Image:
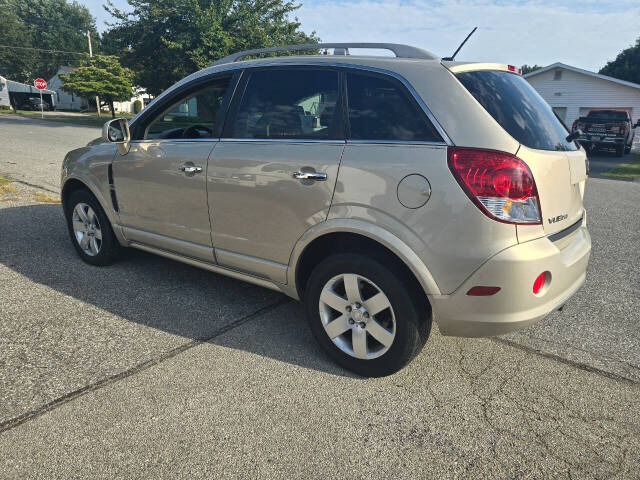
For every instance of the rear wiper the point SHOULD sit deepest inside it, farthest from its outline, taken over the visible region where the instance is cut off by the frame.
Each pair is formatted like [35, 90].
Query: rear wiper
[574, 135]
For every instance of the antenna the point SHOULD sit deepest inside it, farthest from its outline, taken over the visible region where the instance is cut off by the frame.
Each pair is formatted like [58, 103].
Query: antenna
[450, 59]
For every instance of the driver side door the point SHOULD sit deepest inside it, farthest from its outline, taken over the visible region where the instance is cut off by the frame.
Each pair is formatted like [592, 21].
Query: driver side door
[160, 183]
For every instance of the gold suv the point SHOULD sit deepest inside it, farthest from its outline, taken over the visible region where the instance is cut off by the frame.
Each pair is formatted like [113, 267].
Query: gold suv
[384, 192]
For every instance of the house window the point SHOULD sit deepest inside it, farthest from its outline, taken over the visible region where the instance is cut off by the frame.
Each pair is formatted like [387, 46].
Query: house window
[557, 75]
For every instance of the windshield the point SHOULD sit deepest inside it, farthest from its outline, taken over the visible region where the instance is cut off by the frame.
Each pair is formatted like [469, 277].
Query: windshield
[518, 108]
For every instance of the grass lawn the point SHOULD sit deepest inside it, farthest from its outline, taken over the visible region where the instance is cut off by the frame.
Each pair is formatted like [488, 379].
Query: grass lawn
[630, 169]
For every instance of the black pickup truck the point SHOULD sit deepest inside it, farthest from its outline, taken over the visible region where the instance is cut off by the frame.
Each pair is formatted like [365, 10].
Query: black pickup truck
[606, 129]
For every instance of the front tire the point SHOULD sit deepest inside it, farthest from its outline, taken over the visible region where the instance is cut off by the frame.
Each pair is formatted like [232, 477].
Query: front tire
[366, 314]
[90, 230]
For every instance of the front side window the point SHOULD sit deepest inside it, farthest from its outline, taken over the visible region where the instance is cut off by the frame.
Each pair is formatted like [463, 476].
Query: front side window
[381, 109]
[288, 103]
[192, 117]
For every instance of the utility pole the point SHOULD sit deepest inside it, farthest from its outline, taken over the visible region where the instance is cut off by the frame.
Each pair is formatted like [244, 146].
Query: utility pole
[91, 55]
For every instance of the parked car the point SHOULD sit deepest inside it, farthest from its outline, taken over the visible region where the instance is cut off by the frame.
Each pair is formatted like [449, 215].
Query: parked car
[606, 129]
[33, 103]
[385, 193]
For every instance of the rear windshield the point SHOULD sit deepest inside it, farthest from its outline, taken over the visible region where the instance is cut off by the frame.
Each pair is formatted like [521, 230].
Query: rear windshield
[607, 115]
[518, 108]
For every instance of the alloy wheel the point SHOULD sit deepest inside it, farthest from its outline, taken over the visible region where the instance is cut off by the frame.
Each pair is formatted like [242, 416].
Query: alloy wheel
[86, 229]
[357, 316]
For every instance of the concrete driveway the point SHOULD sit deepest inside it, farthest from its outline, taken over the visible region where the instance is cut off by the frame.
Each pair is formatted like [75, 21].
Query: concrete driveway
[151, 368]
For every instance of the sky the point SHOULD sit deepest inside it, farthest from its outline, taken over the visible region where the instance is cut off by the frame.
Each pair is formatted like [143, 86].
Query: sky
[584, 33]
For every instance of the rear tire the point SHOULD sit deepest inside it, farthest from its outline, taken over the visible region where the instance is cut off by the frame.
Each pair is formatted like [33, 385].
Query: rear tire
[372, 344]
[627, 149]
[90, 230]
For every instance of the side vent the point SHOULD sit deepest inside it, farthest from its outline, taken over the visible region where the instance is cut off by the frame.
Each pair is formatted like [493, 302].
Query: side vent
[112, 188]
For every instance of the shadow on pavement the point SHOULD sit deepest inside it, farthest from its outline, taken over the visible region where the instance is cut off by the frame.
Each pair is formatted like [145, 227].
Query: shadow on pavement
[157, 292]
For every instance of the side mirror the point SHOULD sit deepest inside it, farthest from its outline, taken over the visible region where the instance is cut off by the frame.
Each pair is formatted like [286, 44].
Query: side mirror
[637, 123]
[117, 131]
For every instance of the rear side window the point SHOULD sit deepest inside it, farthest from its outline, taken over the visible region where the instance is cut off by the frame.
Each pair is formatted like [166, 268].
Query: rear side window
[381, 109]
[518, 108]
[288, 103]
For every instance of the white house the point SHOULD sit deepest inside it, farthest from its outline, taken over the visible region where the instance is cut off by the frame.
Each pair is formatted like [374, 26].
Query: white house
[64, 100]
[128, 106]
[69, 101]
[572, 91]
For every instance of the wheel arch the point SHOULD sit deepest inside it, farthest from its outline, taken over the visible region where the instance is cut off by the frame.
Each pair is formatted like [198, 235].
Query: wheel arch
[73, 184]
[355, 235]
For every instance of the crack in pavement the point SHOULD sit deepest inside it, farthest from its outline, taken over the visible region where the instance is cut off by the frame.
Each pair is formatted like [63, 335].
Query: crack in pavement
[566, 361]
[541, 419]
[20, 419]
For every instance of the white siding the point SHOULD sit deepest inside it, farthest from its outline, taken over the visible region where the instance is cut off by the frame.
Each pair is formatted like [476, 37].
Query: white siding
[576, 91]
[62, 99]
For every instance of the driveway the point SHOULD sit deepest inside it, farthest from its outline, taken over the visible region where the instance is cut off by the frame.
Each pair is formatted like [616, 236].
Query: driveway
[602, 161]
[151, 368]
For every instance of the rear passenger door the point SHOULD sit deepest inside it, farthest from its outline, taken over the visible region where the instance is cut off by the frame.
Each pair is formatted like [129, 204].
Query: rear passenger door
[272, 175]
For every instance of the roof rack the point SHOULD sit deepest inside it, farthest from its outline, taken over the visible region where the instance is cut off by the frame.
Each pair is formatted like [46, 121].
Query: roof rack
[400, 51]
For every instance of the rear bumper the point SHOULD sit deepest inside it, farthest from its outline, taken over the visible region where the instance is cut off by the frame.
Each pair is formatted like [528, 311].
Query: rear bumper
[514, 270]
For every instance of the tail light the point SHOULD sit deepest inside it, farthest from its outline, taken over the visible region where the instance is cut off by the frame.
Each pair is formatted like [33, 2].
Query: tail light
[500, 184]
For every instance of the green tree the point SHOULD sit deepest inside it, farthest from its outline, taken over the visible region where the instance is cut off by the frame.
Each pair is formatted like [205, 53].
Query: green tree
[103, 76]
[162, 41]
[45, 25]
[626, 66]
[529, 68]
[15, 64]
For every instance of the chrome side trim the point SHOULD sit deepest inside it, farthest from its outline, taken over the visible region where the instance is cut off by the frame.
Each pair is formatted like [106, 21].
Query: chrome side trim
[176, 140]
[208, 266]
[396, 142]
[285, 140]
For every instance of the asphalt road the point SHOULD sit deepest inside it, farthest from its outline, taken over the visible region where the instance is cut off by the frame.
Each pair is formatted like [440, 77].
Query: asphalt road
[157, 369]
[32, 150]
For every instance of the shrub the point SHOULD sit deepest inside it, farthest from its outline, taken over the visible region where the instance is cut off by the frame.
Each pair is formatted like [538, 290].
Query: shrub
[137, 106]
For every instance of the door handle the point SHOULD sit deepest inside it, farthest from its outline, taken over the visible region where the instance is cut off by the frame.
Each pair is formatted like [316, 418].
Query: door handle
[318, 176]
[191, 168]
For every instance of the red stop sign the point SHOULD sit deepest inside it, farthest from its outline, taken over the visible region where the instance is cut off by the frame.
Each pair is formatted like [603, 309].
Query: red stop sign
[40, 83]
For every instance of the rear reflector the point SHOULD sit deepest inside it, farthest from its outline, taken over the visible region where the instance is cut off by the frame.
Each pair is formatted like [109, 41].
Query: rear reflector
[499, 183]
[539, 282]
[481, 291]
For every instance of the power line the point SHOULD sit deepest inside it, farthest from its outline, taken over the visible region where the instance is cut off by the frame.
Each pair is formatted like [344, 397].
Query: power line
[43, 50]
